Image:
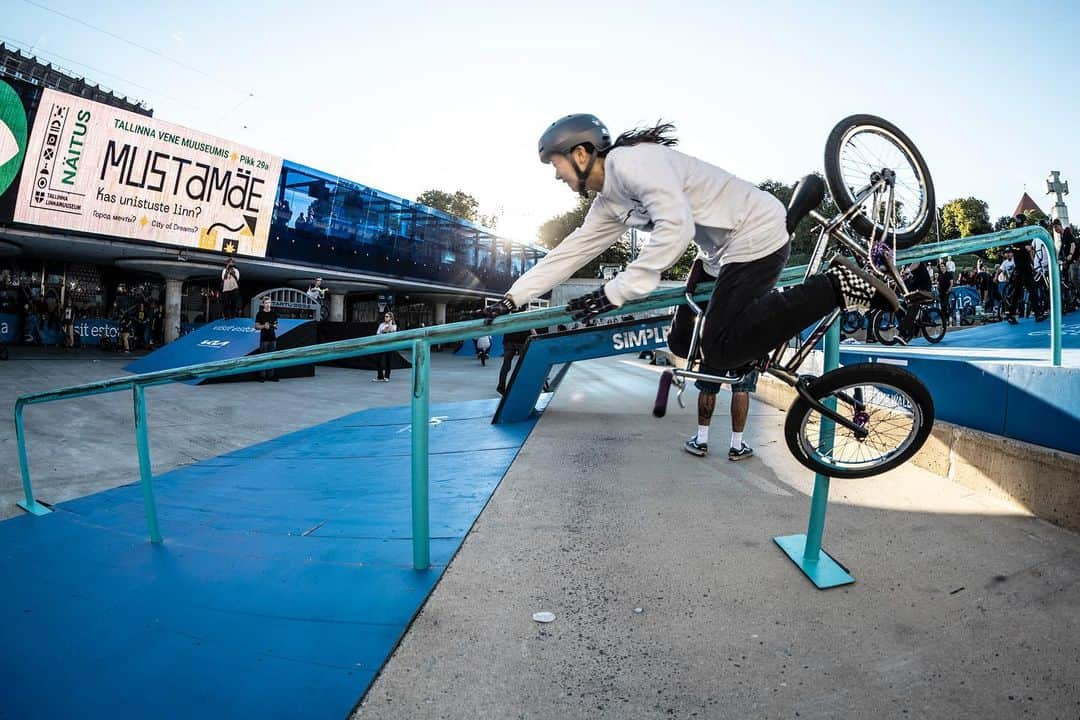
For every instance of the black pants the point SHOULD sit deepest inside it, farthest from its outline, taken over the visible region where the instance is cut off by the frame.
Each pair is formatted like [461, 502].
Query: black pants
[230, 303]
[509, 352]
[1023, 278]
[266, 346]
[747, 318]
[382, 362]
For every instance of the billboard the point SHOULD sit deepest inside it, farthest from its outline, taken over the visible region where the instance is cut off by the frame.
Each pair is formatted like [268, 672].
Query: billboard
[95, 168]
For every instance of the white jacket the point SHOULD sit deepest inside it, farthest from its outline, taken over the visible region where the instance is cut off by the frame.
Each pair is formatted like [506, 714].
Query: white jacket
[677, 198]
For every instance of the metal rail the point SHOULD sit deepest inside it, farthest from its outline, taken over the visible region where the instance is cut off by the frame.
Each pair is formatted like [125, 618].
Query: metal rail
[419, 341]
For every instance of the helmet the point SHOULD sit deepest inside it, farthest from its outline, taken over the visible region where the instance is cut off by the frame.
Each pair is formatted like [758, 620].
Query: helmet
[567, 133]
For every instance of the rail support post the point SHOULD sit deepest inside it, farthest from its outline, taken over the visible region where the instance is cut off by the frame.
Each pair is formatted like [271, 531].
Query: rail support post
[805, 550]
[420, 418]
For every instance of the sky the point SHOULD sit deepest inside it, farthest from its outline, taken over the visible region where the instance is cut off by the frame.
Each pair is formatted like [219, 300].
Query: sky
[409, 96]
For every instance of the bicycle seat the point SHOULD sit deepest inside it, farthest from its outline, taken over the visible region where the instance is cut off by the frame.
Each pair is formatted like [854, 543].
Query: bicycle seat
[808, 194]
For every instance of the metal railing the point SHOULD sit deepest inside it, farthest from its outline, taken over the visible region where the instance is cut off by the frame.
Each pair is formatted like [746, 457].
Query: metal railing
[419, 341]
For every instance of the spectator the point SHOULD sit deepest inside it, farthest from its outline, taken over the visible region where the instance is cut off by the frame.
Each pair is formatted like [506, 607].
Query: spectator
[740, 408]
[67, 316]
[317, 294]
[230, 290]
[142, 324]
[1067, 254]
[944, 285]
[266, 322]
[157, 326]
[483, 348]
[125, 332]
[1041, 269]
[1001, 281]
[1022, 277]
[383, 359]
[513, 345]
[919, 272]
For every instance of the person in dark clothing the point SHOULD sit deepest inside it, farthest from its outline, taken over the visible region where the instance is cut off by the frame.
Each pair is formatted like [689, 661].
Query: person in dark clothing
[157, 326]
[266, 322]
[1067, 253]
[513, 346]
[944, 285]
[1023, 278]
[920, 279]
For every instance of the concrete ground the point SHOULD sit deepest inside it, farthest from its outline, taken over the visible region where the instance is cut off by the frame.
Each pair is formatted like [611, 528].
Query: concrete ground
[964, 606]
[672, 601]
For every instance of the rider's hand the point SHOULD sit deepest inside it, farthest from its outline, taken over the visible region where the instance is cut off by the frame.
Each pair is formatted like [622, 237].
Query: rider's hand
[494, 310]
[589, 305]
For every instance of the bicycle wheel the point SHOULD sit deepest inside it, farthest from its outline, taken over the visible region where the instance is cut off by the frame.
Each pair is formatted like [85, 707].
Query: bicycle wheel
[851, 323]
[891, 403]
[886, 326]
[933, 325]
[861, 145]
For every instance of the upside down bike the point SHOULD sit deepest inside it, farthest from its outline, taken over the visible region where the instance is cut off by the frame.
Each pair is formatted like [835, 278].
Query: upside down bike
[880, 415]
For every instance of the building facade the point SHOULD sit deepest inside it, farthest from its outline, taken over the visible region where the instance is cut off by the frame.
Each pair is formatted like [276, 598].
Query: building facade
[104, 207]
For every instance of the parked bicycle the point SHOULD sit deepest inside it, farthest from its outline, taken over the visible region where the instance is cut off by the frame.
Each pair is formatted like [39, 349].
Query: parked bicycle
[864, 419]
[920, 315]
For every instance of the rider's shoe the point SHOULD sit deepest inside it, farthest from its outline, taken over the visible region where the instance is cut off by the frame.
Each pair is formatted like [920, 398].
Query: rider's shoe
[693, 447]
[1011, 319]
[741, 454]
[858, 289]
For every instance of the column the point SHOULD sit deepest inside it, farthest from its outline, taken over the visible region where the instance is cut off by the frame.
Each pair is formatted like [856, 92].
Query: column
[173, 291]
[337, 307]
[440, 313]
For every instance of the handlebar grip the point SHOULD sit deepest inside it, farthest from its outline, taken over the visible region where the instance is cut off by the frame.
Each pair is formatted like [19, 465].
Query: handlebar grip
[660, 406]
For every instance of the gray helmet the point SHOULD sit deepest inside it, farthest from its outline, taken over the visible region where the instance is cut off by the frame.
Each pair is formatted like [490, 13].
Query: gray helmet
[567, 133]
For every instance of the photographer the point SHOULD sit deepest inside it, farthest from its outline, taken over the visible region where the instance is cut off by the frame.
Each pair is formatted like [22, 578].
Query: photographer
[266, 321]
[230, 290]
[317, 293]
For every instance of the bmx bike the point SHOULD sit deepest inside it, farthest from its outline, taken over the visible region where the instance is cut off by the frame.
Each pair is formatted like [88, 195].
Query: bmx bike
[875, 416]
[919, 315]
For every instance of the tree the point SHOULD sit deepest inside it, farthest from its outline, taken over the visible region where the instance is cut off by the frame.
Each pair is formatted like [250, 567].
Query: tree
[805, 236]
[459, 204]
[964, 217]
[555, 230]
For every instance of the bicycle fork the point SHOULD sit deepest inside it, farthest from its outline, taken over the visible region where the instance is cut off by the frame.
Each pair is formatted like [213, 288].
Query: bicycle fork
[858, 430]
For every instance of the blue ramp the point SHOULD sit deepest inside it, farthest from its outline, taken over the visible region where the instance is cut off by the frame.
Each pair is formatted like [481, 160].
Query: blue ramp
[284, 582]
[221, 340]
[468, 349]
[542, 352]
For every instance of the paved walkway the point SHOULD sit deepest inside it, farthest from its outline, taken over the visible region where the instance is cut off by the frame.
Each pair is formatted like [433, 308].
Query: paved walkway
[963, 607]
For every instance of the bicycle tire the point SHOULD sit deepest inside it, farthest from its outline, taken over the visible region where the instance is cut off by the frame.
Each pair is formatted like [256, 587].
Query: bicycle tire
[843, 196]
[881, 321]
[919, 406]
[933, 325]
[852, 322]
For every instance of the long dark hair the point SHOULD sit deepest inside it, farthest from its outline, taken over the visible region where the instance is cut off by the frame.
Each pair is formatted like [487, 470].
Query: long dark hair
[659, 134]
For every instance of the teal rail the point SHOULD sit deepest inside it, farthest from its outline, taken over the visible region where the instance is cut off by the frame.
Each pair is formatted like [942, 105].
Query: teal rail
[933, 251]
[419, 341]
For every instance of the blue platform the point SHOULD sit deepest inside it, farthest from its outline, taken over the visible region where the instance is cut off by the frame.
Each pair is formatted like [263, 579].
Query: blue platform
[997, 378]
[284, 582]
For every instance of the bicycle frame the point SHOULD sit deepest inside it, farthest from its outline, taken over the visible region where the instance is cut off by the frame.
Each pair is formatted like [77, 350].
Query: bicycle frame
[787, 372]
